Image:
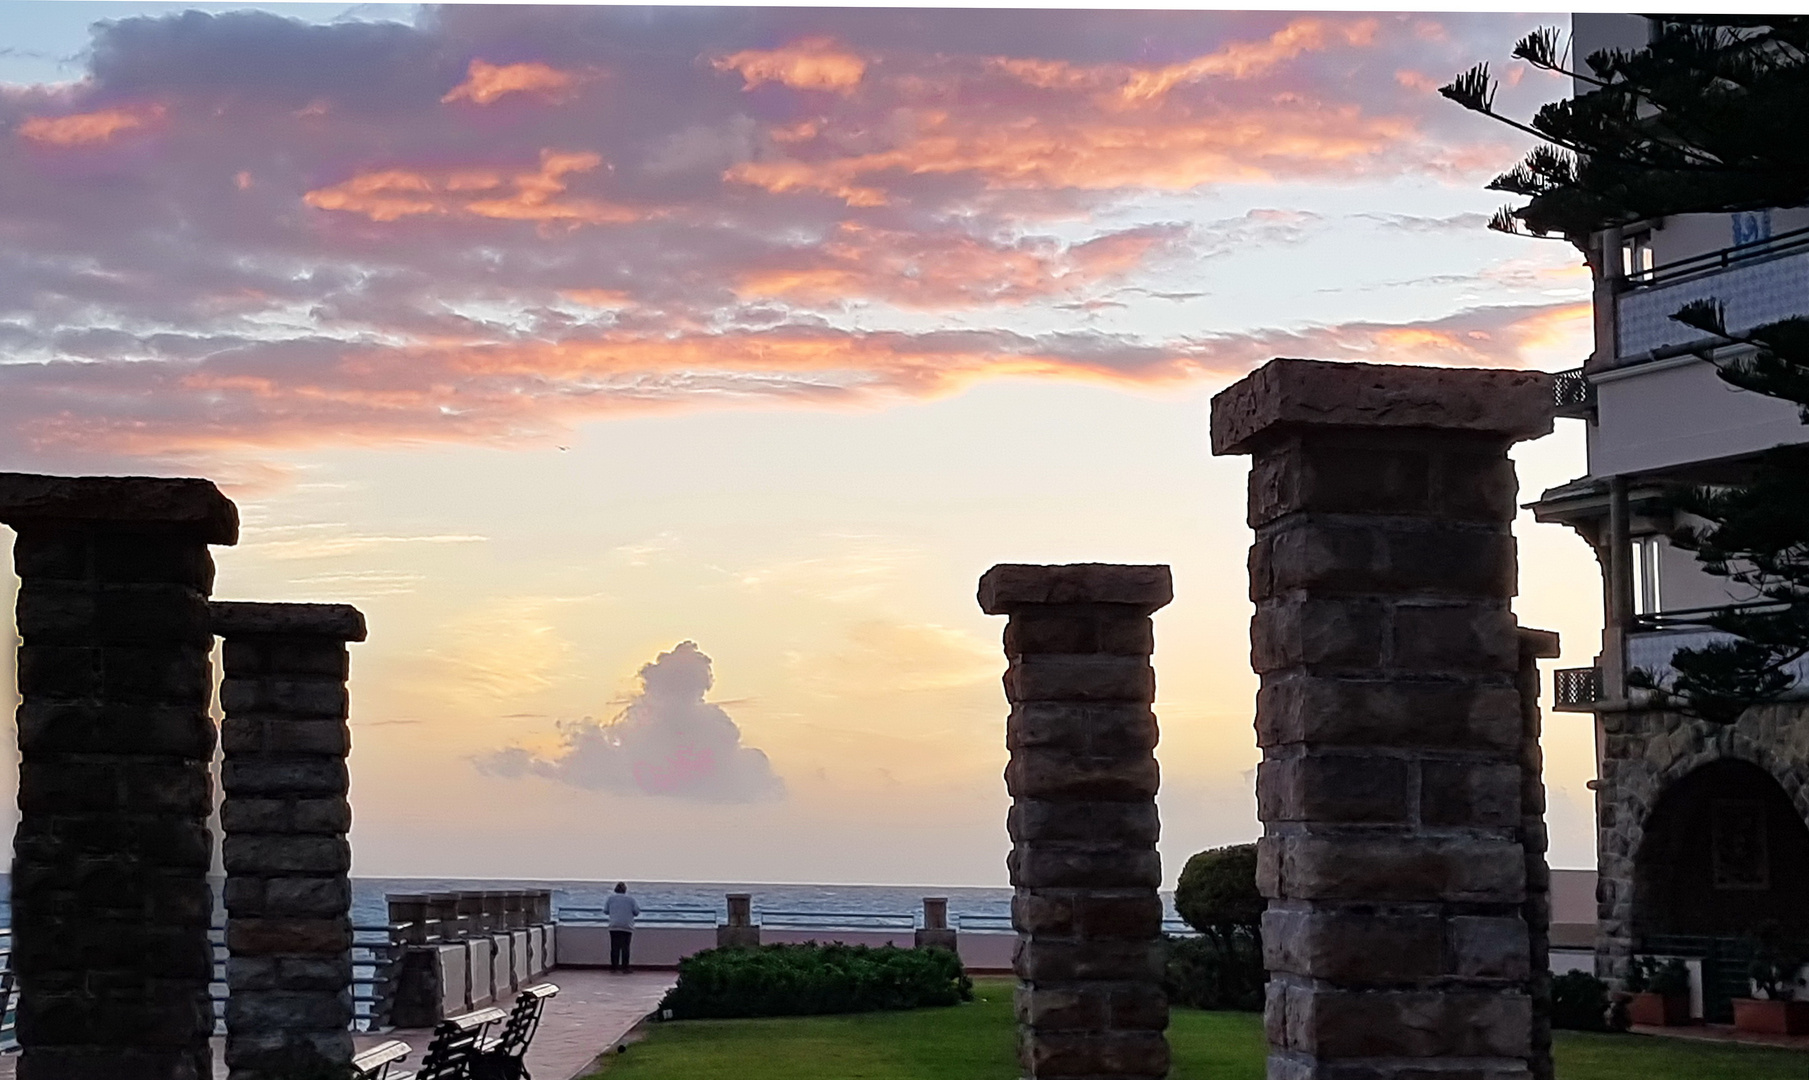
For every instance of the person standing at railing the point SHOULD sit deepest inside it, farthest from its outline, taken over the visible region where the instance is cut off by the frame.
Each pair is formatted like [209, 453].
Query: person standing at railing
[621, 909]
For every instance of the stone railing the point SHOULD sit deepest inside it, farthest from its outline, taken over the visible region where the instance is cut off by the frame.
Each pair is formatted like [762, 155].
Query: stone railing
[465, 950]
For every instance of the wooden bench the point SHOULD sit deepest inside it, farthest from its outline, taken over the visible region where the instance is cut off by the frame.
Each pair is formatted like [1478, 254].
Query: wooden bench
[455, 1043]
[374, 1063]
[524, 1020]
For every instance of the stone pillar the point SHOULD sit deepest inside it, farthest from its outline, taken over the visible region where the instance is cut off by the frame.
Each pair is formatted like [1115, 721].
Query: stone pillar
[110, 900]
[936, 933]
[1389, 716]
[285, 815]
[443, 922]
[1083, 823]
[1535, 645]
[470, 917]
[739, 931]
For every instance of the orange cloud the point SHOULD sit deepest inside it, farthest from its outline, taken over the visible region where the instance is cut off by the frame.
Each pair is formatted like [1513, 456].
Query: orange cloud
[807, 64]
[934, 270]
[392, 194]
[1097, 153]
[80, 129]
[486, 82]
[1124, 85]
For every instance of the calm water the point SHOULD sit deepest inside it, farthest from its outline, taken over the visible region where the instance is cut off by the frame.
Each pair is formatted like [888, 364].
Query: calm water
[369, 908]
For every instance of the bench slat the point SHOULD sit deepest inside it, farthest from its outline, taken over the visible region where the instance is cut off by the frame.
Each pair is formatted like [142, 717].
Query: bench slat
[381, 1054]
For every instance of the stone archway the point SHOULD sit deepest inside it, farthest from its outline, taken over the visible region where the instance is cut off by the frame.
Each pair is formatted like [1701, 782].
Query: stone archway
[1724, 852]
[1662, 775]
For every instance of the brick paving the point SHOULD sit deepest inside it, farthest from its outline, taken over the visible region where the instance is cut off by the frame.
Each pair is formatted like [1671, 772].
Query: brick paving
[593, 1011]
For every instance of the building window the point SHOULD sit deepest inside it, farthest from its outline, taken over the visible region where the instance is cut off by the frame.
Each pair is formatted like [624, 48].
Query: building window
[1636, 255]
[1738, 852]
[1647, 599]
[1751, 227]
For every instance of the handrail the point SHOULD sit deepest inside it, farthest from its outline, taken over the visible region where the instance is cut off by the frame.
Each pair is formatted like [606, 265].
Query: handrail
[1782, 244]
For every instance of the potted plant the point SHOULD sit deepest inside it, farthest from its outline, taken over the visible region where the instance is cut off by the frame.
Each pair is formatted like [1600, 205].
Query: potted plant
[1661, 992]
[1772, 1010]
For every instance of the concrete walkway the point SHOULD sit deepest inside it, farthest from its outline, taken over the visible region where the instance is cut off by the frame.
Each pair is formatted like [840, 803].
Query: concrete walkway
[1724, 1033]
[592, 1012]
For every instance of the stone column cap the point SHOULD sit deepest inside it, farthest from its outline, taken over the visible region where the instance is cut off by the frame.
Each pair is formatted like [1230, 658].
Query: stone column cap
[1539, 644]
[233, 618]
[184, 502]
[1010, 586]
[1286, 393]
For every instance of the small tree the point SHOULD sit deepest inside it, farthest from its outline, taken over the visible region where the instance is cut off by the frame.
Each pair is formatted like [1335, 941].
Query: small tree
[1217, 894]
[1711, 116]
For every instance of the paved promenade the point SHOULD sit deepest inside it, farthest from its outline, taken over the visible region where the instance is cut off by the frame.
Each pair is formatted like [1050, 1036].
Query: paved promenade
[593, 1010]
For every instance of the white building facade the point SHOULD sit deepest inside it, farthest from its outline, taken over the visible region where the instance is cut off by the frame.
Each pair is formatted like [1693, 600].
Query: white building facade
[1701, 834]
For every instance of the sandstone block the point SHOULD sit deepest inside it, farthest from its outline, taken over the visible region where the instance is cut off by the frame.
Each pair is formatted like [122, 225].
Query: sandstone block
[1288, 394]
[1088, 677]
[190, 508]
[1094, 1054]
[1315, 633]
[1408, 1024]
[1355, 554]
[1083, 628]
[1059, 961]
[1408, 714]
[1050, 775]
[282, 855]
[340, 622]
[275, 777]
[1104, 729]
[1115, 823]
[1009, 587]
[1386, 867]
[272, 937]
[1359, 946]
[1355, 788]
[1482, 795]
[1049, 866]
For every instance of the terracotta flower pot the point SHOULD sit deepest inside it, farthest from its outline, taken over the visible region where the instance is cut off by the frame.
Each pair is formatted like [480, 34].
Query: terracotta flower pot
[1762, 1017]
[1659, 1010]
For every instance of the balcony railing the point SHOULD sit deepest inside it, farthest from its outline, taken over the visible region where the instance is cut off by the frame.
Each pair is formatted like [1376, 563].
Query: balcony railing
[1576, 689]
[1573, 394]
[1758, 283]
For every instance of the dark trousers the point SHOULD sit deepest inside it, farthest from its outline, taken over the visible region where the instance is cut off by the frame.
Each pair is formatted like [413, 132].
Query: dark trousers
[618, 949]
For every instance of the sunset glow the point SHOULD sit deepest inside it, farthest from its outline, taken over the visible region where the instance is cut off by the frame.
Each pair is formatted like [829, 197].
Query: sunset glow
[659, 381]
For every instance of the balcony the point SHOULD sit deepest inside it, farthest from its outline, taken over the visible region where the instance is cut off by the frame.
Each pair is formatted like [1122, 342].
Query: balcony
[1576, 689]
[1656, 638]
[1758, 283]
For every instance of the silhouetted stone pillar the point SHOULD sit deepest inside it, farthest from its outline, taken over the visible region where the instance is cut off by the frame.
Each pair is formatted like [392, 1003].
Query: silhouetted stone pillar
[739, 931]
[1083, 823]
[285, 813]
[1536, 645]
[110, 901]
[1389, 715]
[936, 932]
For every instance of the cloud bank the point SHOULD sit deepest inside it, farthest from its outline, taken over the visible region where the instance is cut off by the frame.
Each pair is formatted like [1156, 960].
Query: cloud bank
[244, 232]
[669, 741]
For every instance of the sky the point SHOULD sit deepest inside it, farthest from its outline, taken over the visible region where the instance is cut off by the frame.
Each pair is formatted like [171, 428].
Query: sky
[660, 381]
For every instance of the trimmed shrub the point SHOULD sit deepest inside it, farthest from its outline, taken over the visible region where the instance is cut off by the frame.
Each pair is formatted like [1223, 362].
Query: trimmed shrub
[812, 979]
[1202, 973]
[1579, 1002]
[1217, 893]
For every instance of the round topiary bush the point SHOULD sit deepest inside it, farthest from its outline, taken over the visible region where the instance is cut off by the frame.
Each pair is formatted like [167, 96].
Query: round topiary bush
[1217, 893]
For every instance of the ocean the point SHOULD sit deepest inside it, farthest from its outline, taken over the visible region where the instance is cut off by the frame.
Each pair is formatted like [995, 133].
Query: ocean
[987, 908]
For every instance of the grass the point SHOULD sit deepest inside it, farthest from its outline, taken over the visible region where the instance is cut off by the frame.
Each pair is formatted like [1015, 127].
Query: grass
[974, 1042]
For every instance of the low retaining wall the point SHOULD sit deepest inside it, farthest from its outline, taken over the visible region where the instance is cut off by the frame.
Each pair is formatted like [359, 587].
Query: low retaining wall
[582, 945]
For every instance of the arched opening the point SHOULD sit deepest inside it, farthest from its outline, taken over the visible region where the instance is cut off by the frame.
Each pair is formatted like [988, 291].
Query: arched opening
[1725, 856]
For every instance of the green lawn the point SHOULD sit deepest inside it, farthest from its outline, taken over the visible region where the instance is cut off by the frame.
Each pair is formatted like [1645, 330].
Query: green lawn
[974, 1042]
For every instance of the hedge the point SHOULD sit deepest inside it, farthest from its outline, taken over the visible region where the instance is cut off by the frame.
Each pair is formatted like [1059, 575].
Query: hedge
[812, 979]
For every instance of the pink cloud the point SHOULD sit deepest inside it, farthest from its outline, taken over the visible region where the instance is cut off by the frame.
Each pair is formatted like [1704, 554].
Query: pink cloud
[81, 129]
[486, 82]
[812, 63]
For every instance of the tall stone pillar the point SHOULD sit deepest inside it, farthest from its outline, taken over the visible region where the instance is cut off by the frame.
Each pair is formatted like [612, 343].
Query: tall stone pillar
[1083, 824]
[285, 815]
[110, 901]
[1536, 645]
[1389, 716]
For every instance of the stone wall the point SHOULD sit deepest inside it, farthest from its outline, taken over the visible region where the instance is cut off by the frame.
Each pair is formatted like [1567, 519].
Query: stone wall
[1389, 715]
[1645, 753]
[1083, 821]
[110, 901]
[285, 815]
